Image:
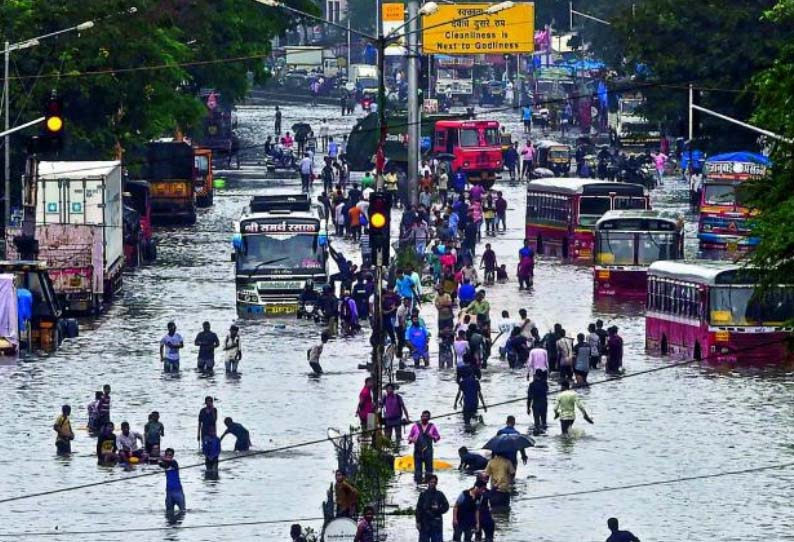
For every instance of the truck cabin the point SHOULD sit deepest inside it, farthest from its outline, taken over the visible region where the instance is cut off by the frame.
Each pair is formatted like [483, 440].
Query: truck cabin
[33, 283]
[451, 136]
[136, 196]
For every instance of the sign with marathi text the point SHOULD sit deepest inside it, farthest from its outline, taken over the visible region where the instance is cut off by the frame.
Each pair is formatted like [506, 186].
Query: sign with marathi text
[466, 29]
[278, 226]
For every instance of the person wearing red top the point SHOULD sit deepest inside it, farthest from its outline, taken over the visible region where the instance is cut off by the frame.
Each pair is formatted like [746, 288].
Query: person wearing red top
[366, 405]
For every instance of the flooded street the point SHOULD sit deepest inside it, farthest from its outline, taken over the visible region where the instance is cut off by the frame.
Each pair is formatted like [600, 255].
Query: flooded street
[672, 423]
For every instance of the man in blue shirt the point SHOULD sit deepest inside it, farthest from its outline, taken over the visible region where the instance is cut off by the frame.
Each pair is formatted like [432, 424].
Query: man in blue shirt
[404, 285]
[510, 429]
[526, 251]
[618, 535]
[174, 496]
[466, 293]
[417, 338]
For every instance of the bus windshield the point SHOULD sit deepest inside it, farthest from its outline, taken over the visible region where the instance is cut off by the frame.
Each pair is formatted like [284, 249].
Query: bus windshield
[722, 194]
[619, 248]
[655, 246]
[593, 208]
[743, 306]
[278, 251]
[492, 137]
[469, 138]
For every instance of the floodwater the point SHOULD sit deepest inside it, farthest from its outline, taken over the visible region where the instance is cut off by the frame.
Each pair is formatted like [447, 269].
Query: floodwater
[673, 423]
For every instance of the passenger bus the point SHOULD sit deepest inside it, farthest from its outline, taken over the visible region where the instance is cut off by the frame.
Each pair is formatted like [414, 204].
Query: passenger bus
[712, 310]
[280, 243]
[724, 220]
[627, 242]
[562, 212]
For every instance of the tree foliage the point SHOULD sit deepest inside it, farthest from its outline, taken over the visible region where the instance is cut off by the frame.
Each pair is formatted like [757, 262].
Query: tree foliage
[133, 77]
[774, 195]
[715, 44]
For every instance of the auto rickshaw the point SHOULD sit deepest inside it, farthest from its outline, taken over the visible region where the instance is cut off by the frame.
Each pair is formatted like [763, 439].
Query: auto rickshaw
[554, 156]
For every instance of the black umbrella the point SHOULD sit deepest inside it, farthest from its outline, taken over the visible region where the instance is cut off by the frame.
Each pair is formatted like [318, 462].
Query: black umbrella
[509, 444]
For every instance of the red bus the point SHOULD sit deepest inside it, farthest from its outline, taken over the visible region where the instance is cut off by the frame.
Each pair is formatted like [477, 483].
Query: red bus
[724, 224]
[711, 310]
[627, 242]
[561, 213]
[471, 146]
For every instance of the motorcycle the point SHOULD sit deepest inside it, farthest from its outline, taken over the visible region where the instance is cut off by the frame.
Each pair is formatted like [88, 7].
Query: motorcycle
[309, 310]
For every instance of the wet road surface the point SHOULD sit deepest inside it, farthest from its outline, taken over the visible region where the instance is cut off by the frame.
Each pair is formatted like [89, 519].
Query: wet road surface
[673, 423]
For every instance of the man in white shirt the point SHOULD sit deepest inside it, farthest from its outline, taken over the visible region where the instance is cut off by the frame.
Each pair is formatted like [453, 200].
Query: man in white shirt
[306, 172]
[323, 133]
[127, 443]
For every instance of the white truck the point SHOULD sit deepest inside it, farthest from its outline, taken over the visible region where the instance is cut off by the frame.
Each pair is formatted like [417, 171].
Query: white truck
[311, 58]
[79, 229]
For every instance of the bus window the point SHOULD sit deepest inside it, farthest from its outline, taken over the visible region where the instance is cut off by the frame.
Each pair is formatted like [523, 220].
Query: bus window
[492, 137]
[616, 248]
[743, 306]
[591, 209]
[441, 139]
[719, 194]
[469, 138]
[629, 203]
[657, 246]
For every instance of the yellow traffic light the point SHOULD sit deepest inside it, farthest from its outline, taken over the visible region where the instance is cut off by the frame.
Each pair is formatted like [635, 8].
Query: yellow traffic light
[54, 124]
[377, 220]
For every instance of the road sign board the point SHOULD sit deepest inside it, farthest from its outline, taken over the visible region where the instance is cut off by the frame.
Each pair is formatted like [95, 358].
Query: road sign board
[465, 29]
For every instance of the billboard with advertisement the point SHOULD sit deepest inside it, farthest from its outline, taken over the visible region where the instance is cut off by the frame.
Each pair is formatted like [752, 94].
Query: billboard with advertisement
[466, 29]
[393, 17]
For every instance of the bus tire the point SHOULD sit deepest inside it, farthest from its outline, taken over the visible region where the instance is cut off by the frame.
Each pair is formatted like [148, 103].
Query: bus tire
[488, 183]
[539, 244]
[697, 353]
[663, 346]
[565, 248]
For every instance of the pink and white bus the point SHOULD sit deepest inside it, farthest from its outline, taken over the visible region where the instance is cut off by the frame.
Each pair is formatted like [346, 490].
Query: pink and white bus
[627, 242]
[562, 212]
[712, 310]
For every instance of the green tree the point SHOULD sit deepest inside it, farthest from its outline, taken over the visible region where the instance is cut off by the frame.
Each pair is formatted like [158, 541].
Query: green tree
[774, 195]
[715, 44]
[134, 77]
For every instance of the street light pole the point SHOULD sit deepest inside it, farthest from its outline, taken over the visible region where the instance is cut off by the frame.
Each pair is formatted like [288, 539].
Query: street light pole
[414, 116]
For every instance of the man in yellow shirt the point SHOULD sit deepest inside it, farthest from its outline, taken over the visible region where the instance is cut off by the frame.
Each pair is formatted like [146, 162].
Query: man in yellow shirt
[63, 429]
[502, 473]
[565, 409]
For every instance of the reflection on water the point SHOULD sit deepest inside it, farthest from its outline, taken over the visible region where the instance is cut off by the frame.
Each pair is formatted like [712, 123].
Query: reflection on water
[671, 423]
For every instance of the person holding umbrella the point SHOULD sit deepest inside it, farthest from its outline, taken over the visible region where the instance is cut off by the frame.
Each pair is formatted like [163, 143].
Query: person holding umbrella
[565, 409]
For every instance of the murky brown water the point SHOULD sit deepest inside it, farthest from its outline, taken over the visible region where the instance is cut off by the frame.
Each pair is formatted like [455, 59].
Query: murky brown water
[672, 423]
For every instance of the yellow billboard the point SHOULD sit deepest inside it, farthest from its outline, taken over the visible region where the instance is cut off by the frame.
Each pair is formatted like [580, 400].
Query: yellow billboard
[466, 29]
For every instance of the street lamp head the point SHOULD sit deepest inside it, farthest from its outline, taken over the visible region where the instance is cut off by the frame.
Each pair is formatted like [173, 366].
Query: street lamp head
[428, 8]
[84, 26]
[132, 10]
[496, 8]
[270, 3]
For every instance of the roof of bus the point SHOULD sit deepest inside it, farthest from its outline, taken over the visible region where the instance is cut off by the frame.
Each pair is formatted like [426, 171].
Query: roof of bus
[467, 123]
[575, 185]
[702, 271]
[655, 214]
